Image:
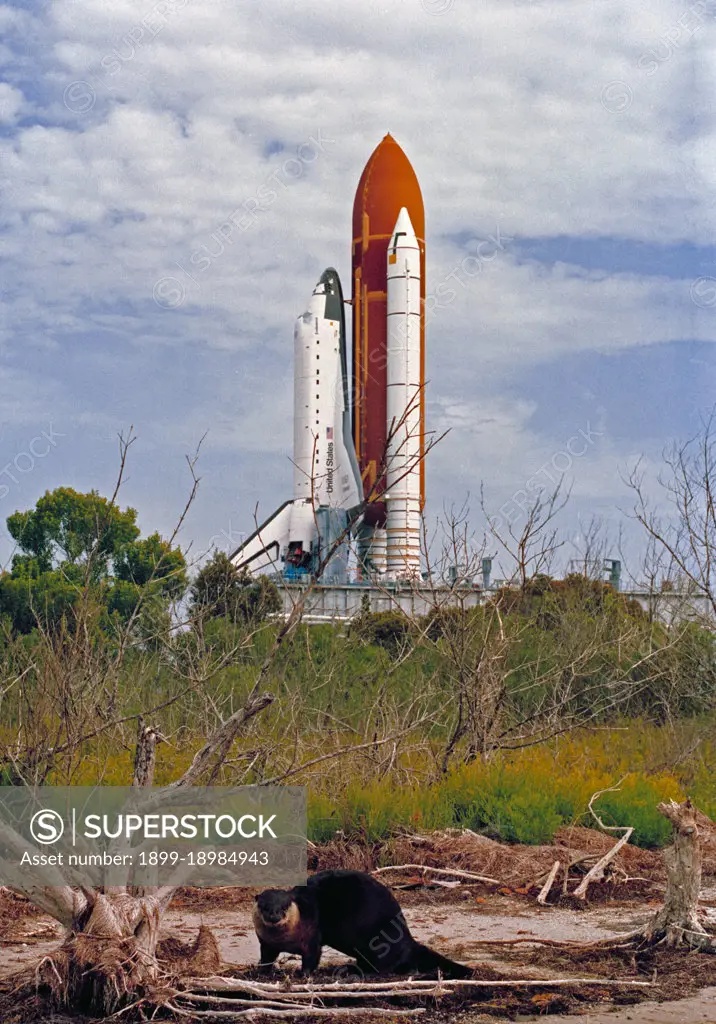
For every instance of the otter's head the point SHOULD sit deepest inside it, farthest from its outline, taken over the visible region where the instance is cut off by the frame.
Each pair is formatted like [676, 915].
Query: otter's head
[276, 906]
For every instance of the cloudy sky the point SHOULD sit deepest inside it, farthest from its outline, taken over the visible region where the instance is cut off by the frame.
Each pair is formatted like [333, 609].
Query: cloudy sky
[573, 139]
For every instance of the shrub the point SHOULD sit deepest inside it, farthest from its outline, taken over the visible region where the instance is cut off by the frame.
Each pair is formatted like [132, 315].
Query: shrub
[222, 590]
[442, 622]
[389, 630]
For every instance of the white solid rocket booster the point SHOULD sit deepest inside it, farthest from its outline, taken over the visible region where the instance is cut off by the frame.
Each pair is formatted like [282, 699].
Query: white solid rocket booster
[402, 498]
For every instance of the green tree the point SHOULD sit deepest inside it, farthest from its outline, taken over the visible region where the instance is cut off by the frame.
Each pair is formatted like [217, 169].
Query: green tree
[70, 541]
[46, 596]
[152, 560]
[220, 590]
[66, 526]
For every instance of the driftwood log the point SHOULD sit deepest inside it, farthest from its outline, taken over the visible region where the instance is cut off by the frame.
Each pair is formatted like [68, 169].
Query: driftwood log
[237, 998]
[677, 923]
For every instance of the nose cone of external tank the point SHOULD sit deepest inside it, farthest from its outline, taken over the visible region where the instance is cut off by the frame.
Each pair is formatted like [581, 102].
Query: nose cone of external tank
[388, 182]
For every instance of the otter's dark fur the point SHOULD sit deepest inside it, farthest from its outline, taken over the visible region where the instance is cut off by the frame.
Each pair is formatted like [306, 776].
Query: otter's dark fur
[352, 912]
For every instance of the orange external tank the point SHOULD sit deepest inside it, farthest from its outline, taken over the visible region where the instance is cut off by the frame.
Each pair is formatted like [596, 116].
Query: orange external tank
[387, 183]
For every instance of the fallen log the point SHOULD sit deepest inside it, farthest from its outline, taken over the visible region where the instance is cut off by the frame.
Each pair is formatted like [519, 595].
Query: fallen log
[333, 990]
[544, 891]
[293, 1012]
[300, 1000]
[453, 872]
[596, 874]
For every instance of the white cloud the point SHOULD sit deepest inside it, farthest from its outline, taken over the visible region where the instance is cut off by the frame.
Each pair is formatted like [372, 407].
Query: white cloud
[11, 103]
[156, 121]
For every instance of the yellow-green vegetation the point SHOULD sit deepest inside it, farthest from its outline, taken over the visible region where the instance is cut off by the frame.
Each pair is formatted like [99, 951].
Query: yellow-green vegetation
[525, 796]
[520, 796]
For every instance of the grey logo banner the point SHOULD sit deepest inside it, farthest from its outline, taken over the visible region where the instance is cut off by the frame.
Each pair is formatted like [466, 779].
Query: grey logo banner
[117, 836]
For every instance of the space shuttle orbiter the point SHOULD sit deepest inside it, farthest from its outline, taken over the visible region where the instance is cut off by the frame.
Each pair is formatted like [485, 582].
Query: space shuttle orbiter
[327, 489]
[359, 448]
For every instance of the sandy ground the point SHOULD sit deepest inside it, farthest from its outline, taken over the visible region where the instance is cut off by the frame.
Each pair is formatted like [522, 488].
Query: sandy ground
[700, 1009]
[452, 930]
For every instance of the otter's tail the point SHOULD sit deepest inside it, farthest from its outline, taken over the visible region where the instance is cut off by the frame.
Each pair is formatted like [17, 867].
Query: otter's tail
[424, 959]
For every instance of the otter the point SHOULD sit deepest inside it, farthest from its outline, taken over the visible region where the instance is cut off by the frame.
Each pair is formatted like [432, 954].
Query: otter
[286, 921]
[352, 912]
